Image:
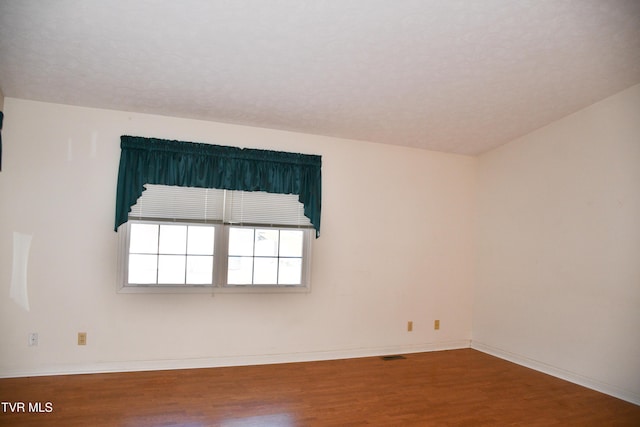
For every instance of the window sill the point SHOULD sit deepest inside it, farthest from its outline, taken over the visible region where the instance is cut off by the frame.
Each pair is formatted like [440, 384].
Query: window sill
[214, 290]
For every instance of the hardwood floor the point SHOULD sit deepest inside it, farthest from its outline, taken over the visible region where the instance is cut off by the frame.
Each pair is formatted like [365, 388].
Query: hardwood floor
[448, 388]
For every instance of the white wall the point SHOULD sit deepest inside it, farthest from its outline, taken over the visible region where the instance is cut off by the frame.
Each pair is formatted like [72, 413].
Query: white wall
[558, 282]
[396, 245]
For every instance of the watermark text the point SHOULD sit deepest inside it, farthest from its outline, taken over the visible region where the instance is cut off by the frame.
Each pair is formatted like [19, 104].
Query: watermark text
[27, 407]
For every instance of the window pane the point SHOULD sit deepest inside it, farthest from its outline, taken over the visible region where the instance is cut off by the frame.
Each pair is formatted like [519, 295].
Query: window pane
[240, 270]
[200, 270]
[290, 272]
[143, 239]
[173, 239]
[171, 269]
[266, 243]
[291, 243]
[241, 241]
[142, 269]
[265, 271]
[200, 240]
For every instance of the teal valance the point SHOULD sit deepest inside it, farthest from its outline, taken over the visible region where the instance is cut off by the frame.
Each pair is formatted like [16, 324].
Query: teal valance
[191, 164]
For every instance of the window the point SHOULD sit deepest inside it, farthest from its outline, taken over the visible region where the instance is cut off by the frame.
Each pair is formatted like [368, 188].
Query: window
[183, 239]
[263, 256]
[196, 216]
[170, 254]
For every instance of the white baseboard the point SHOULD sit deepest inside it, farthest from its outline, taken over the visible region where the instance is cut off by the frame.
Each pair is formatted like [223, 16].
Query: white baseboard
[240, 360]
[591, 383]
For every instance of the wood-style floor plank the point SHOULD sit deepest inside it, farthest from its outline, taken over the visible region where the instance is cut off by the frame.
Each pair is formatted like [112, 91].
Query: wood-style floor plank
[448, 388]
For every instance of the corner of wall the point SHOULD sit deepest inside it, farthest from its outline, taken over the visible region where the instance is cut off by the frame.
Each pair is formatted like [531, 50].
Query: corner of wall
[558, 231]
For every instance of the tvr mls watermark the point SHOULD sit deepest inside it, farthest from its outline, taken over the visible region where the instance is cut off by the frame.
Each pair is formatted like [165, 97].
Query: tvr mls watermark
[30, 407]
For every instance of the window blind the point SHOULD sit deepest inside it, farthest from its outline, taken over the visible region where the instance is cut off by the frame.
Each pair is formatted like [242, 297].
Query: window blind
[163, 202]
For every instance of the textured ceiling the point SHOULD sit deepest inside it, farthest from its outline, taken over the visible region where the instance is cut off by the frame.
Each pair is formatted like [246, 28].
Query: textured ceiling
[459, 76]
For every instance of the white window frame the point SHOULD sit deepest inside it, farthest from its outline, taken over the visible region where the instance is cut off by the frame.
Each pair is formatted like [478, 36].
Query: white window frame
[220, 260]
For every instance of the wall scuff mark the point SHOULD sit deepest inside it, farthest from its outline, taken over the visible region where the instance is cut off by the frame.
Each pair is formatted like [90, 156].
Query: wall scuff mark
[18, 291]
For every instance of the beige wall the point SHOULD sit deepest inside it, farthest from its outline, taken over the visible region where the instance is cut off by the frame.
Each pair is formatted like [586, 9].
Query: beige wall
[396, 245]
[558, 284]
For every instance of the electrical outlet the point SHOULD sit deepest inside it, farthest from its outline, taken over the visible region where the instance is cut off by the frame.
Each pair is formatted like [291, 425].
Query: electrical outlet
[409, 326]
[436, 324]
[82, 338]
[33, 339]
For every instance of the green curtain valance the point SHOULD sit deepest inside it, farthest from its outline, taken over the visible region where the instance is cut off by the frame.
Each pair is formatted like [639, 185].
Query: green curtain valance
[188, 164]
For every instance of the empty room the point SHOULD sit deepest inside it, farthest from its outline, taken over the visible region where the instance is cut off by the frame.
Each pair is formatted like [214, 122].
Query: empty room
[319, 213]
